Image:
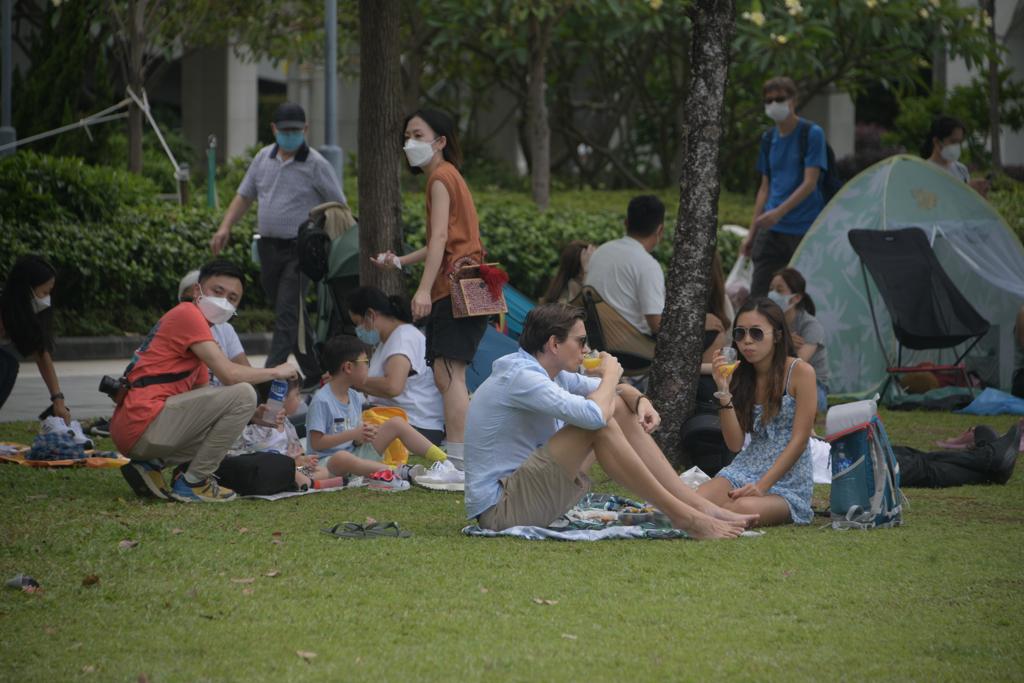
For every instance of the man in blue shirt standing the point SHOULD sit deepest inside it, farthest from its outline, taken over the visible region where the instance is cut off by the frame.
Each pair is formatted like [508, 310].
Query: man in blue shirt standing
[535, 426]
[791, 162]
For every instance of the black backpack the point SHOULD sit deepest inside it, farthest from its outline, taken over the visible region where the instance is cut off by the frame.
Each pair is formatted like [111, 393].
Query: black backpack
[257, 474]
[314, 249]
[828, 182]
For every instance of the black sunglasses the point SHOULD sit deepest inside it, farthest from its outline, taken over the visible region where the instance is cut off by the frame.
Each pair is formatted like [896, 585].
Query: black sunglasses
[756, 333]
[776, 100]
[581, 340]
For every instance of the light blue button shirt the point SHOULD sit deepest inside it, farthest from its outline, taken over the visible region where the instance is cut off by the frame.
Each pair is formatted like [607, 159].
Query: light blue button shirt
[516, 410]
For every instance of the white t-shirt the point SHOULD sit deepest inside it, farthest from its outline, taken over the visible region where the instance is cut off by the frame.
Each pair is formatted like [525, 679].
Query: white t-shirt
[420, 399]
[629, 279]
[227, 339]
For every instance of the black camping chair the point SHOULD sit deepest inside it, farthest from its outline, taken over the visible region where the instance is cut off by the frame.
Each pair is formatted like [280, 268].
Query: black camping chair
[927, 310]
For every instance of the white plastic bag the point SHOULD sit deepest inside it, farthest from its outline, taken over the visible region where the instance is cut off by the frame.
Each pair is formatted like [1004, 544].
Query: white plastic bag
[694, 477]
[737, 285]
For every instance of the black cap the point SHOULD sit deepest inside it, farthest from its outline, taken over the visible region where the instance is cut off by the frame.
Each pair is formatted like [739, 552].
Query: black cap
[289, 116]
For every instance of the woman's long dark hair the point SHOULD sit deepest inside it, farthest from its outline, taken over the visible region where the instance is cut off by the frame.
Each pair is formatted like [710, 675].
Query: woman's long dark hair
[30, 331]
[443, 126]
[744, 381]
[797, 285]
[365, 298]
[942, 128]
[570, 265]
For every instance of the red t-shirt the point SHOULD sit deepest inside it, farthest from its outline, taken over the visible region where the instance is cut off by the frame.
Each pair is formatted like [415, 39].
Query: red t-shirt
[164, 351]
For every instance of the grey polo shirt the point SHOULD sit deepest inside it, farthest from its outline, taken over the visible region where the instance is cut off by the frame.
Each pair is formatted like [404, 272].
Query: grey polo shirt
[287, 189]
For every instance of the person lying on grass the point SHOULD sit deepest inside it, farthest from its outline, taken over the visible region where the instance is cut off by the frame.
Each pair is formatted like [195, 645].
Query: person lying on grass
[335, 426]
[773, 397]
[523, 467]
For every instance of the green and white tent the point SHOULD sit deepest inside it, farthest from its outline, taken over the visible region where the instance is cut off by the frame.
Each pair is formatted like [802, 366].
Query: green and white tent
[980, 253]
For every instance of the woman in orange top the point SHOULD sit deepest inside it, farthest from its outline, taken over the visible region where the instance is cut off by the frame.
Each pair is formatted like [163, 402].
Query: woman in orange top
[453, 233]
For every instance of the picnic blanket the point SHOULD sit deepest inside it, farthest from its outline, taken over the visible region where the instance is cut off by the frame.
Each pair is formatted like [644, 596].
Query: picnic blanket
[16, 454]
[353, 483]
[597, 517]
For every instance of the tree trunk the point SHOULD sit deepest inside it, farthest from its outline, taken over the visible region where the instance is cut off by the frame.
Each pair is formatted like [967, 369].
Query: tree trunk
[993, 89]
[677, 356]
[380, 121]
[136, 80]
[537, 112]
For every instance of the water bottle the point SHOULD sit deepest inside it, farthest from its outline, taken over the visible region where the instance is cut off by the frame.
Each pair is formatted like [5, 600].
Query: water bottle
[275, 399]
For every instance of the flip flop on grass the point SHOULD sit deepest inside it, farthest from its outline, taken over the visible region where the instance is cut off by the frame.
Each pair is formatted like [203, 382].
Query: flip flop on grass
[372, 530]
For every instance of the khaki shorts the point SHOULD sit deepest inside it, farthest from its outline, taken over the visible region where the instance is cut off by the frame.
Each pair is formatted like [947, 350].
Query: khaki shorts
[536, 494]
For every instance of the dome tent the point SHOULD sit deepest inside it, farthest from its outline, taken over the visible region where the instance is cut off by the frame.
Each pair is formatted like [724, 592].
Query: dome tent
[976, 248]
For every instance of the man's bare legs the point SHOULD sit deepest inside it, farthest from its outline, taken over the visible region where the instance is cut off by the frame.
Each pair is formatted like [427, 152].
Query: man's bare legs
[647, 449]
[571, 446]
[771, 509]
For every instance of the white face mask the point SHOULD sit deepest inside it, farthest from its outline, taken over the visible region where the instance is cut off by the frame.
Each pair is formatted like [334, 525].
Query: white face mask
[951, 152]
[418, 152]
[782, 300]
[216, 309]
[40, 303]
[777, 111]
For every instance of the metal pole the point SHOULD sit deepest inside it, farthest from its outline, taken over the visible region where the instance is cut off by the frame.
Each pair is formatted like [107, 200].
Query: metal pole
[211, 172]
[7, 132]
[330, 148]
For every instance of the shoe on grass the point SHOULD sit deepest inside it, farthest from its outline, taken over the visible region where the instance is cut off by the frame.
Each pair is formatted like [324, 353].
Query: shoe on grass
[1004, 451]
[208, 491]
[146, 479]
[388, 481]
[442, 476]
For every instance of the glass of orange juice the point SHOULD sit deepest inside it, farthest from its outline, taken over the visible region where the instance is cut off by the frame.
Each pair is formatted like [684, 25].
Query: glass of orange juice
[731, 362]
[591, 361]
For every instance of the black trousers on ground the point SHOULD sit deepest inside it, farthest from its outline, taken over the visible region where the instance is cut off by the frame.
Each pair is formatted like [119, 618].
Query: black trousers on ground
[281, 280]
[771, 253]
[8, 374]
[939, 469]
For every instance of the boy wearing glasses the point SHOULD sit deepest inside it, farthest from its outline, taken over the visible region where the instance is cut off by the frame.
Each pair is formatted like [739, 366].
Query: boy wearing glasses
[792, 158]
[335, 427]
[535, 426]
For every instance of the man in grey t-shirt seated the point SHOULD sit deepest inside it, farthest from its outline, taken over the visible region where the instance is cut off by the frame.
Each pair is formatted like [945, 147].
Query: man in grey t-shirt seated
[535, 426]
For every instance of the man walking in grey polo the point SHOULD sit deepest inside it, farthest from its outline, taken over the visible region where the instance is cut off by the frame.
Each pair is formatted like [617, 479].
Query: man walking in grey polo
[287, 179]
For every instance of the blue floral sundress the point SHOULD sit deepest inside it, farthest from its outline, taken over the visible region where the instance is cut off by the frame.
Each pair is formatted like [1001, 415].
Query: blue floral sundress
[766, 444]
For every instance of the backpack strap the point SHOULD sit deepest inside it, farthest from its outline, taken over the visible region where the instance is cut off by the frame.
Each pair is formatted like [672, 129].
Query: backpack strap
[804, 128]
[789, 374]
[766, 146]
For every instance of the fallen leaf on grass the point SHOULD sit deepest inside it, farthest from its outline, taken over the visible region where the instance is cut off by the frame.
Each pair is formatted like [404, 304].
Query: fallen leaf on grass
[89, 669]
[177, 531]
[276, 538]
[246, 580]
[243, 530]
[306, 656]
[272, 574]
[143, 678]
[127, 544]
[248, 591]
[36, 497]
[569, 636]
[90, 580]
[275, 534]
[483, 590]
[543, 601]
[49, 630]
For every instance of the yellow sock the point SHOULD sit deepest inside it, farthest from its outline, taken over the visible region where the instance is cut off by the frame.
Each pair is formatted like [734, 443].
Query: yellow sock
[435, 453]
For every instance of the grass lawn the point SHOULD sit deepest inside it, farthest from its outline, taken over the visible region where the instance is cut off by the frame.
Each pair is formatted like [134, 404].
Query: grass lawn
[937, 599]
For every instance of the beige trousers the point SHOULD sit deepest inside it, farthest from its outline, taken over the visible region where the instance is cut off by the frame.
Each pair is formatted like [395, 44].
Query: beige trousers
[197, 427]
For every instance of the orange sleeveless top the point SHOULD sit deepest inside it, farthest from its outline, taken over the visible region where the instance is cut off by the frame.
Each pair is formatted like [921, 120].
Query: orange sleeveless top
[463, 226]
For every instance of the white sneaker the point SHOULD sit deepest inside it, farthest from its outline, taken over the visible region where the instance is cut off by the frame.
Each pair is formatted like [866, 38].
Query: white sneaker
[442, 476]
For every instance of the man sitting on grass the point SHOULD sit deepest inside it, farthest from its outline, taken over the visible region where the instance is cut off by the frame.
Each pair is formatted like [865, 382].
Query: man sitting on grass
[170, 415]
[523, 467]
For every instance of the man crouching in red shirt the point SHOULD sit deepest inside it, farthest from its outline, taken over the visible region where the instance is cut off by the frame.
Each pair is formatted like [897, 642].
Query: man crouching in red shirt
[170, 415]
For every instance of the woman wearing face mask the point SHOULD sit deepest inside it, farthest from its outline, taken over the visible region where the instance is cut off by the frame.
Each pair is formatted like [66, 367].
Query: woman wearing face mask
[398, 373]
[453, 233]
[942, 146]
[771, 396]
[789, 291]
[27, 321]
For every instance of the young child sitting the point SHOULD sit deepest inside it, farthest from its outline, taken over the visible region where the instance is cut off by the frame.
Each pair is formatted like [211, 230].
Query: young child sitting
[335, 427]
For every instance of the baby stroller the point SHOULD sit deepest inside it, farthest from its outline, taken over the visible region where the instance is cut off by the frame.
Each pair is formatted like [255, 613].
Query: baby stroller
[329, 256]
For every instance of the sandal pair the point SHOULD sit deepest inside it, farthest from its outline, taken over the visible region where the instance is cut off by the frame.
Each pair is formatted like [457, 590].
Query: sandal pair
[361, 531]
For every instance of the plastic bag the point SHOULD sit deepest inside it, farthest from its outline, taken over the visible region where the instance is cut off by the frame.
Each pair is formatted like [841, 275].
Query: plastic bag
[737, 285]
[994, 402]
